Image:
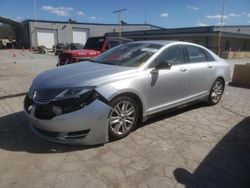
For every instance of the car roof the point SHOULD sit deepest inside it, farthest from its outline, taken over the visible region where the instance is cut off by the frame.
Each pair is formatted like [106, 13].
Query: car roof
[161, 42]
[167, 42]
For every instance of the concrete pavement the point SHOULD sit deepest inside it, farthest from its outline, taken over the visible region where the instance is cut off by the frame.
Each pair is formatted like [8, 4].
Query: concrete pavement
[198, 146]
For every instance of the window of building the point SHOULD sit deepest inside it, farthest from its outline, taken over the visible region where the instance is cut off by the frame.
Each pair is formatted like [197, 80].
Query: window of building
[227, 45]
[244, 46]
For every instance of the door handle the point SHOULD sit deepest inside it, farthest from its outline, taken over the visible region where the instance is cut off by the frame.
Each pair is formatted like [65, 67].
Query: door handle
[183, 69]
[210, 66]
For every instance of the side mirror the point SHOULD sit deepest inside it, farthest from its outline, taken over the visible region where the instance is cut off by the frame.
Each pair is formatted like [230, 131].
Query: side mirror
[163, 65]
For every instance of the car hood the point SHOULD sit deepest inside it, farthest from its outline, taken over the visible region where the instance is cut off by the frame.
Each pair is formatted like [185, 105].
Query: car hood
[83, 53]
[81, 74]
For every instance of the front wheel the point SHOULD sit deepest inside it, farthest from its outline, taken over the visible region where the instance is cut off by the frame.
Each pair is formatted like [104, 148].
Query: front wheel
[216, 92]
[123, 117]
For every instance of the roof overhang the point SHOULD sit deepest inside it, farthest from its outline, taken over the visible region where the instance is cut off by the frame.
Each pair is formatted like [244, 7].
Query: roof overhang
[156, 34]
[211, 34]
[10, 22]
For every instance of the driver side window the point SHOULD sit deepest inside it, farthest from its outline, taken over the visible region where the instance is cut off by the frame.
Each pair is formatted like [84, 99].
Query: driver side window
[172, 55]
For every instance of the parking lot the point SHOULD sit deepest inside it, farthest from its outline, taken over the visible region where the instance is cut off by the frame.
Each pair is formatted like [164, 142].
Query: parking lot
[197, 146]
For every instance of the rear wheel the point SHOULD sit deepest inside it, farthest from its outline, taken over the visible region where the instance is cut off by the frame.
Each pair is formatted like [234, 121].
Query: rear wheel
[216, 91]
[123, 117]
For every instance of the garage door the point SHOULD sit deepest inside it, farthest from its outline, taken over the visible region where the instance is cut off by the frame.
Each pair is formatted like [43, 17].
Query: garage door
[79, 35]
[46, 38]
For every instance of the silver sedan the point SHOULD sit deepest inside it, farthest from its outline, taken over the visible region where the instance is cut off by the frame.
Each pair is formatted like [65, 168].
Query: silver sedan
[105, 98]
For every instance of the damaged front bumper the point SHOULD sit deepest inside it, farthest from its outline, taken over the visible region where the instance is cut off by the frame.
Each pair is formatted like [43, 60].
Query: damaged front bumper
[85, 126]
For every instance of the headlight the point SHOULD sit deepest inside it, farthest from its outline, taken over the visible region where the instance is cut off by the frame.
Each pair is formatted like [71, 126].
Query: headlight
[73, 92]
[73, 99]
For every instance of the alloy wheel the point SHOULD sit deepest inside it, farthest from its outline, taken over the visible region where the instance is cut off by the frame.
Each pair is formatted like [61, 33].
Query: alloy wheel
[122, 117]
[217, 91]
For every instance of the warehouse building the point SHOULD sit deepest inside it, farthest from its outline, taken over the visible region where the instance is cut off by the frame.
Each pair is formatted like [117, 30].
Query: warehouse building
[31, 33]
[48, 33]
[235, 40]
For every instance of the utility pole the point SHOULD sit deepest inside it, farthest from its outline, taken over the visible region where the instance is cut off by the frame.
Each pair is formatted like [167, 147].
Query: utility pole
[119, 20]
[221, 25]
[69, 32]
[35, 15]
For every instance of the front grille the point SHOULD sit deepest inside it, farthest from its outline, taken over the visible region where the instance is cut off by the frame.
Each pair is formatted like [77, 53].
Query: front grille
[46, 95]
[39, 103]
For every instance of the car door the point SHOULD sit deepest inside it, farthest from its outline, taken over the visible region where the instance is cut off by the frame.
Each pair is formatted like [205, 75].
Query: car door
[200, 71]
[169, 86]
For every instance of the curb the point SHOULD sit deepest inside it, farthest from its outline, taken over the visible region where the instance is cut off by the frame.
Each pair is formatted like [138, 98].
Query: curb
[13, 95]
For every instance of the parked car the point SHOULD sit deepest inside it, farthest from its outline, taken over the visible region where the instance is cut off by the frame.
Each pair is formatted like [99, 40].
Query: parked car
[105, 98]
[42, 49]
[93, 47]
[59, 48]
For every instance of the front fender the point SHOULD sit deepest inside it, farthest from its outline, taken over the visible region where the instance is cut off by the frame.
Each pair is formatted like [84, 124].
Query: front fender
[138, 86]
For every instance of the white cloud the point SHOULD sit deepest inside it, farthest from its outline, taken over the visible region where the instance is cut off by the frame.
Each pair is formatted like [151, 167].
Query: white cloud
[223, 23]
[216, 16]
[18, 18]
[248, 15]
[201, 24]
[92, 18]
[233, 15]
[59, 11]
[193, 7]
[164, 14]
[80, 13]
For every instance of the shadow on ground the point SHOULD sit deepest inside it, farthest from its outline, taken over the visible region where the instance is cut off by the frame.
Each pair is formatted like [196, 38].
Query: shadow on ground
[227, 165]
[15, 135]
[172, 112]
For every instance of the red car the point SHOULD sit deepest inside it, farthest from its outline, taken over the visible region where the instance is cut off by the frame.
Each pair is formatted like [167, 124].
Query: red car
[93, 47]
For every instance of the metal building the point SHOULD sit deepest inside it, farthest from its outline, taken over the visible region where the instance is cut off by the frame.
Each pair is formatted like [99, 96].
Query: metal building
[48, 33]
[235, 40]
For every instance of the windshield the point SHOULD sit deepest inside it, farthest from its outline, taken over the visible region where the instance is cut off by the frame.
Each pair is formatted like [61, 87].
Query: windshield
[94, 43]
[75, 46]
[130, 55]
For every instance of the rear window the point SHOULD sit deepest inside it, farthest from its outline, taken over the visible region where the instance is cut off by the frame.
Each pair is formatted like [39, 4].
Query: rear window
[196, 54]
[94, 43]
[209, 57]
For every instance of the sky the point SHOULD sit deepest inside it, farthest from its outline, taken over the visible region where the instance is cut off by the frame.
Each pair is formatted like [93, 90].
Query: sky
[163, 13]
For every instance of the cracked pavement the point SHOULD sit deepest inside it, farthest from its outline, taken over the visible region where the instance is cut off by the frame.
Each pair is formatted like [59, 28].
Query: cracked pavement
[197, 146]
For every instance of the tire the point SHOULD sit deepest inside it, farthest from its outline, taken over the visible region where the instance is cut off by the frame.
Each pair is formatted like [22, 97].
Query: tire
[123, 117]
[216, 91]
